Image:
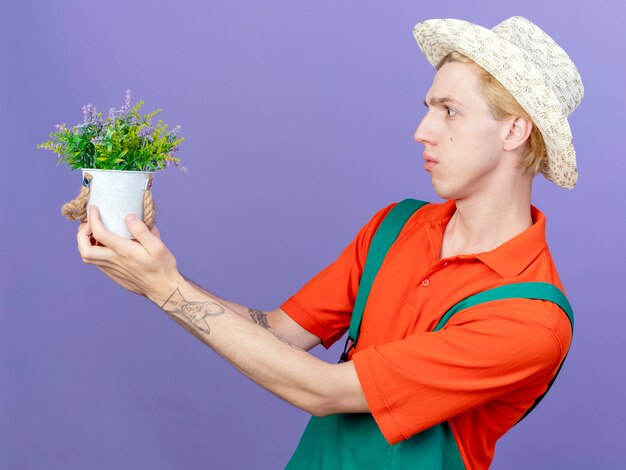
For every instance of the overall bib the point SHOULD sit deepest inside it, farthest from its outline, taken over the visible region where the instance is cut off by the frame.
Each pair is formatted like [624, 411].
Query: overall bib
[353, 441]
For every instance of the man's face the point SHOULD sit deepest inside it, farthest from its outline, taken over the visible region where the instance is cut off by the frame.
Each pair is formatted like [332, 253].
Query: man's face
[460, 134]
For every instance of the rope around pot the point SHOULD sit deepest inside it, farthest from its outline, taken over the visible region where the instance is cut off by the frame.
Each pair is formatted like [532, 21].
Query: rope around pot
[76, 209]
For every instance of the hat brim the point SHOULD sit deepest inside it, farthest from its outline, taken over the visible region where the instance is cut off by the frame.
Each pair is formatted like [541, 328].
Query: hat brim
[437, 37]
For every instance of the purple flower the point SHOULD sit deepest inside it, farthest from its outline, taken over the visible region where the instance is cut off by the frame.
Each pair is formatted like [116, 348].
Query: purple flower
[60, 127]
[176, 164]
[146, 132]
[91, 116]
[123, 111]
[89, 110]
[97, 120]
[96, 140]
[126, 106]
[175, 130]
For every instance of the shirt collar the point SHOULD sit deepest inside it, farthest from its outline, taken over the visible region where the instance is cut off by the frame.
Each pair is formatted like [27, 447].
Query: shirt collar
[508, 259]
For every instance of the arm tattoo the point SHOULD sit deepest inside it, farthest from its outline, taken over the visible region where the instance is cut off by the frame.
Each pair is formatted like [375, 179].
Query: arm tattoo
[260, 318]
[196, 312]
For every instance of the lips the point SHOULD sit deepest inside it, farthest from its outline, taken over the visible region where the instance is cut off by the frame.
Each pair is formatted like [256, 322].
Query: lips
[428, 165]
[430, 162]
[428, 158]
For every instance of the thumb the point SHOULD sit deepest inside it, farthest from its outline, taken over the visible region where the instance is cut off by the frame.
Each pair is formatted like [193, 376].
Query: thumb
[140, 231]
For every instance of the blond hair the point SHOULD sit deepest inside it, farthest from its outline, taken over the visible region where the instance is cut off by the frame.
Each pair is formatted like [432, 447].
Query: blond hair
[503, 105]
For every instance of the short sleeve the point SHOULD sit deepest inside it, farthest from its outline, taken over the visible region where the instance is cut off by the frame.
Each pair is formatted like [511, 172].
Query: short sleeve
[323, 306]
[481, 355]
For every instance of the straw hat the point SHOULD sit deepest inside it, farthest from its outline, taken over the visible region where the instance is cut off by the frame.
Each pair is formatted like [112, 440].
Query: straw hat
[531, 66]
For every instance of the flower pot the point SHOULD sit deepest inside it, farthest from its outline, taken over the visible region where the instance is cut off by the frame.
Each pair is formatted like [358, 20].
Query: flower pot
[116, 194]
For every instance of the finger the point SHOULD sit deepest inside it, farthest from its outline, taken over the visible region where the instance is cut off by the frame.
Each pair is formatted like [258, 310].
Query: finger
[88, 252]
[84, 226]
[104, 236]
[143, 235]
[155, 231]
[92, 254]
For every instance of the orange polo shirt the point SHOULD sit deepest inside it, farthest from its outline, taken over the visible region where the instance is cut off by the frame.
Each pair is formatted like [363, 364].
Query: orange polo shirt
[480, 372]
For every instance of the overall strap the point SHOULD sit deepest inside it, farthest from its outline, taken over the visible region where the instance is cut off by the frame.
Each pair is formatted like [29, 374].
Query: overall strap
[385, 236]
[520, 290]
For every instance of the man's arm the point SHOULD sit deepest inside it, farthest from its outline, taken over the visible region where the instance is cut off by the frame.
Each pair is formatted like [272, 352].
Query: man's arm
[277, 321]
[270, 360]
[146, 266]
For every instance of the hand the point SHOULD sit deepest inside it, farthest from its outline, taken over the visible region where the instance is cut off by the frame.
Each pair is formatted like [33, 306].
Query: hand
[144, 266]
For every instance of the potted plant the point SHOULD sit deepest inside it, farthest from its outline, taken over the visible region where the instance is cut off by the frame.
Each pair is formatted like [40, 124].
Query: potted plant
[118, 157]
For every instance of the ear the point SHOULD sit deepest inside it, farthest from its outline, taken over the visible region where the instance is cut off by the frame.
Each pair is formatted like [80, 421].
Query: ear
[517, 131]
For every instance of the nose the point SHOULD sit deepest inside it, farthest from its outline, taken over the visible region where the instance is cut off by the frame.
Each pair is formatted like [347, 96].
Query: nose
[424, 132]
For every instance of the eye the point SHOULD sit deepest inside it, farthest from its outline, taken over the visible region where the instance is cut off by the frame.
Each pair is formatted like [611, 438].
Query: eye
[450, 111]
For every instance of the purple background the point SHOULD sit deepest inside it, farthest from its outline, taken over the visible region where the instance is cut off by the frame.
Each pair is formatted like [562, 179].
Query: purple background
[299, 120]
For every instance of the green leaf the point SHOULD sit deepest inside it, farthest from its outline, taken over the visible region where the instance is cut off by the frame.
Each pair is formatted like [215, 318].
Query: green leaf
[90, 149]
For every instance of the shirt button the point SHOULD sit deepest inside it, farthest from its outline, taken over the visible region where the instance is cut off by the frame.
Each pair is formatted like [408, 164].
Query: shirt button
[425, 282]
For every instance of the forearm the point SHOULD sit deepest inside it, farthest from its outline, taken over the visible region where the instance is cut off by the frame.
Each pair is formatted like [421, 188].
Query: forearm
[148, 268]
[250, 314]
[242, 311]
[272, 362]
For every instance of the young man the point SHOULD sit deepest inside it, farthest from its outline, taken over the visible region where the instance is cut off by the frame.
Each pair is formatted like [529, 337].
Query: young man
[487, 131]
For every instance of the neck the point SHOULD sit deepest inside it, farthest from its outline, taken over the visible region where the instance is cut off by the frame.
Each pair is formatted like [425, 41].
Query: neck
[483, 222]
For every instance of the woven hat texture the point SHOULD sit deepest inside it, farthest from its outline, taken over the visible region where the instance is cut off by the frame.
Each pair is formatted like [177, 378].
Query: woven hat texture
[531, 66]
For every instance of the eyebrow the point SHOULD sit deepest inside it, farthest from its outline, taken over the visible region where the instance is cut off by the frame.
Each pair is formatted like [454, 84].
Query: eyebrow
[443, 100]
